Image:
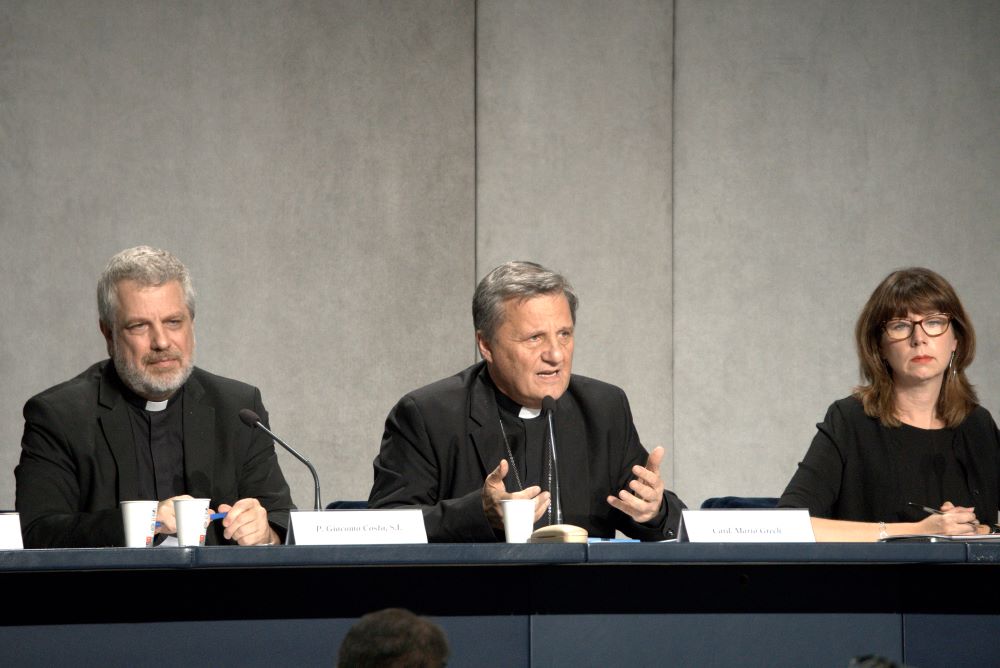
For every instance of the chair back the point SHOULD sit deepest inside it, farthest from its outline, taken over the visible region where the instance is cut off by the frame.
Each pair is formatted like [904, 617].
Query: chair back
[741, 502]
[347, 505]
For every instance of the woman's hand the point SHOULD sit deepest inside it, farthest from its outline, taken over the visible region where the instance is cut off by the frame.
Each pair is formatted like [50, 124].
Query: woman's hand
[956, 521]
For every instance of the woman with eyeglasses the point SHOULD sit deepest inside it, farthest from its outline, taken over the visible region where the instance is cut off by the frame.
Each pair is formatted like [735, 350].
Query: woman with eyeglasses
[911, 451]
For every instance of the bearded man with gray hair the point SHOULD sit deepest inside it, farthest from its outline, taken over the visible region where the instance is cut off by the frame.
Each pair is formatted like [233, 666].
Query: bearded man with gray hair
[146, 425]
[460, 446]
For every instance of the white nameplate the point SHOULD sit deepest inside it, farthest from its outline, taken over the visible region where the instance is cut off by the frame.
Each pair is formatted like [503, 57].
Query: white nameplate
[746, 525]
[356, 527]
[10, 532]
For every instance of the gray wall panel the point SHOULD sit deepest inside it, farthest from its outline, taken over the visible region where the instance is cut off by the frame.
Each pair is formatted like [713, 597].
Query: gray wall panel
[312, 163]
[818, 145]
[573, 170]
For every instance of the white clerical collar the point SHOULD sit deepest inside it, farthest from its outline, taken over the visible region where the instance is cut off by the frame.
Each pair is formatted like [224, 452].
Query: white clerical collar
[157, 406]
[529, 413]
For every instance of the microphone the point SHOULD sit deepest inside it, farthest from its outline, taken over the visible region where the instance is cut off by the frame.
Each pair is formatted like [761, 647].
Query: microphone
[549, 407]
[252, 420]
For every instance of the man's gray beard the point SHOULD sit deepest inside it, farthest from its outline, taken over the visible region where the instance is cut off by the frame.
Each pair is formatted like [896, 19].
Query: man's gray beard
[145, 384]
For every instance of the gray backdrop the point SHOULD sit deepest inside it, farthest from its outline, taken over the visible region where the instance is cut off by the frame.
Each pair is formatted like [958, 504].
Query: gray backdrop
[724, 182]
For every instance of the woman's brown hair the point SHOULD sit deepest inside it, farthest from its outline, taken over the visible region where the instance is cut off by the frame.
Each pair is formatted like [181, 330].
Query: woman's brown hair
[913, 290]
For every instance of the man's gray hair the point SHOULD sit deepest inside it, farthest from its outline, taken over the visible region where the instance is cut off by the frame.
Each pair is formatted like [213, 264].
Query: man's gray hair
[149, 267]
[515, 280]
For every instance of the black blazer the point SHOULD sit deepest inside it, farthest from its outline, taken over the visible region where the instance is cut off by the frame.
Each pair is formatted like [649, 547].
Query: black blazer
[78, 458]
[850, 473]
[441, 442]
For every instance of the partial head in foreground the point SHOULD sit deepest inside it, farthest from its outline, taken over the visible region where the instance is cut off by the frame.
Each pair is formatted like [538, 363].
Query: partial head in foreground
[393, 638]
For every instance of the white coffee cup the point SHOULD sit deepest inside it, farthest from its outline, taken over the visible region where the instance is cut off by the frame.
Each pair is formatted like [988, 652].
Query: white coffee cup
[192, 520]
[10, 532]
[139, 518]
[518, 519]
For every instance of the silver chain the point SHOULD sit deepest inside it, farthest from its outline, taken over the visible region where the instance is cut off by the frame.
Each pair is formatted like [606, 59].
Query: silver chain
[510, 456]
[513, 465]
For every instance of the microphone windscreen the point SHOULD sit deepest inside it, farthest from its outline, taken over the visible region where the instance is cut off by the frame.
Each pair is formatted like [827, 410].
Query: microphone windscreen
[548, 404]
[249, 418]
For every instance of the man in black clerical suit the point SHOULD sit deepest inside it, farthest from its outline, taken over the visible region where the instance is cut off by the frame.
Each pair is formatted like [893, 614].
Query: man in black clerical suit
[459, 446]
[146, 424]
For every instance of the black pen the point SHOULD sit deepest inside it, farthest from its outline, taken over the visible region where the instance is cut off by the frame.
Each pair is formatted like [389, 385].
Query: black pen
[932, 511]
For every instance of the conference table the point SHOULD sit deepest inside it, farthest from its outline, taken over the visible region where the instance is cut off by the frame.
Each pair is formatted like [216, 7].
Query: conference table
[600, 604]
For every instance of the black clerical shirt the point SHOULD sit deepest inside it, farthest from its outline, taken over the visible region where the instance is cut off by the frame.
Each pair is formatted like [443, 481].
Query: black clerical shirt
[529, 454]
[158, 437]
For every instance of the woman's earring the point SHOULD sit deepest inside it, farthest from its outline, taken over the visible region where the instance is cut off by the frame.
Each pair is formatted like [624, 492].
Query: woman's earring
[951, 364]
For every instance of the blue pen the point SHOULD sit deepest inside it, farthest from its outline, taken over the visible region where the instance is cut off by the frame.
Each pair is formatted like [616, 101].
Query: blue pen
[613, 540]
[211, 518]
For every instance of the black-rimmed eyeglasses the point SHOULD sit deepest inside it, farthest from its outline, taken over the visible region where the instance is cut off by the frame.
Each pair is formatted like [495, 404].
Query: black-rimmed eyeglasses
[898, 329]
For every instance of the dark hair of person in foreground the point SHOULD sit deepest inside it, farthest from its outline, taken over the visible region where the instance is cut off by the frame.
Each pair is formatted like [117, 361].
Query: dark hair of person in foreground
[393, 638]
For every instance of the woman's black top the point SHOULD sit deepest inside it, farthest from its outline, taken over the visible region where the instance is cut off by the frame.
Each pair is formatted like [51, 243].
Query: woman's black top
[857, 469]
